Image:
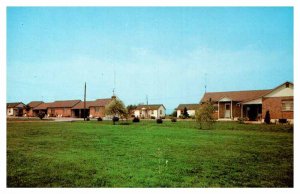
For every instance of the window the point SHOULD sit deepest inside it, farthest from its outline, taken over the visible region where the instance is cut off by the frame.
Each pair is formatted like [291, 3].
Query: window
[152, 112]
[97, 109]
[287, 105]
[160, 111]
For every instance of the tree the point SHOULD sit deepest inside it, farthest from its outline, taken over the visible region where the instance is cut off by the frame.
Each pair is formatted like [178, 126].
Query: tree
[131, 108]
[185, 113]
[267, 118]
[41, 115]
[116, 108]
[27, 108]
[204, 115]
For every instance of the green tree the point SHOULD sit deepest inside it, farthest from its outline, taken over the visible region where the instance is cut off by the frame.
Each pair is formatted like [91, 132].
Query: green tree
[185, 113]
[116, 108]
[131, 108]
[174, 113]
[204, 116]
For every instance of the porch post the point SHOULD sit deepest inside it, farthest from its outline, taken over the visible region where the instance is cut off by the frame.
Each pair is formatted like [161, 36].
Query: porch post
[242, 110]
[231, 110]
[218, 109]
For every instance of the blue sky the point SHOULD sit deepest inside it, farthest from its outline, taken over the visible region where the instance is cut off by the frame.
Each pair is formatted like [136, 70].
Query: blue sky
[162, 52]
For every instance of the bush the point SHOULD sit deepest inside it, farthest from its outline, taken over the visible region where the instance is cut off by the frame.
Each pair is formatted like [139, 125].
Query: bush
[99, 119]
[173, 119]
[267, 118]
[41, 115]
[204, 116]
[241, 120]
[88, 119]
[136, 120]
[181, 116]
[159, 121]
[152, 117]
[115, 119]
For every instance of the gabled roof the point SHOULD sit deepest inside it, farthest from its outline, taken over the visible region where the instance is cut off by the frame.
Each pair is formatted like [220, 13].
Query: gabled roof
[238, 96]
[33, 104]
[43, 106]
[64, 103]
[96, 103]
[13, 104]
[188, 106]
[279, 87]
[149, 107]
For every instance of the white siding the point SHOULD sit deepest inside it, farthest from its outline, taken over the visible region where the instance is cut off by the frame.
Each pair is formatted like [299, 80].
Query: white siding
[282, 91]
[256, 101]
[178, 113]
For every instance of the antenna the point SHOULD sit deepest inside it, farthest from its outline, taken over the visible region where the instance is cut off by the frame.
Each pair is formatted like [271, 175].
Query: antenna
[114, 82]
[205, 81]
[147, 99]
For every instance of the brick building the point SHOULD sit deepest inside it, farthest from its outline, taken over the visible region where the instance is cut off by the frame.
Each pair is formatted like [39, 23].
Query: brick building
[28, 109]
[253, 104]
[94, 109]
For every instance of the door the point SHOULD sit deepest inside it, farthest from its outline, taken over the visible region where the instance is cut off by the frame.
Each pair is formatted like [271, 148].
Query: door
[227, 111]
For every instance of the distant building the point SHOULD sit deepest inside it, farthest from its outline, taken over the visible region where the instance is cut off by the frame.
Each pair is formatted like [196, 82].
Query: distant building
[14, 109]
[57, 109]
[94, 109]
[254, 104]
[29, 109]
[148, 111]
[191, 109]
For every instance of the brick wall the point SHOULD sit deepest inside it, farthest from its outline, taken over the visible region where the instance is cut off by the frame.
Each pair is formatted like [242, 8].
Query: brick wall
[274, 105]
[100, 113]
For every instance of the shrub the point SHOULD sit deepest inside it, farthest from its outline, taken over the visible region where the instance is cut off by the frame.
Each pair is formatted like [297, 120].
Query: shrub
[159, 121]
[152, 117]
[88, 119]
[136, 120]
[241, 120]
[181, 116]
[267, 118]
[115, 119]
[174, 119]
[41, 115]
[99, 119]
[204, 116]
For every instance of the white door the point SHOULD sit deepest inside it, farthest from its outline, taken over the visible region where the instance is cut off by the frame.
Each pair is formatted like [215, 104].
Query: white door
[227, 111]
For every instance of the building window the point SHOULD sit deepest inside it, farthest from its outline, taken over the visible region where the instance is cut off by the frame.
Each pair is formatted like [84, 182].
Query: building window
[97, 109]
[287, 105]
[160, 112]
[152, 112]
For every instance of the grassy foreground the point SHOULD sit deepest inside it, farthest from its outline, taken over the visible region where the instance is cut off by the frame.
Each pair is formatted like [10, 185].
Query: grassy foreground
[146, 154]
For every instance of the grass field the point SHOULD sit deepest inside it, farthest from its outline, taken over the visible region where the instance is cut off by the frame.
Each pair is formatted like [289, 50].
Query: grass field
[146, 154]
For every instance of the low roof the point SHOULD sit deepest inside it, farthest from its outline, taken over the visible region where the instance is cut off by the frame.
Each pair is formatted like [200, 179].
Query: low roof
[234, 95]
[188, 106]
[64, 103]
[13, 104]
[96, 103]
[149, 107]
[43, 106]
[33, 104]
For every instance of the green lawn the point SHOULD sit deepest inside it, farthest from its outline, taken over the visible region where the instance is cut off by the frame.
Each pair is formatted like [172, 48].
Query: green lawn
[146, 154]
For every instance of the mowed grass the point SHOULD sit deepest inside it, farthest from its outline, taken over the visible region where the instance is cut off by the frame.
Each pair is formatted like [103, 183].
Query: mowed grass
[146, 154]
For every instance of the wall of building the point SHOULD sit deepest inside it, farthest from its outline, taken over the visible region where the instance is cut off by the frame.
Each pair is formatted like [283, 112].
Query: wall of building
[274, 105]
[97, 113]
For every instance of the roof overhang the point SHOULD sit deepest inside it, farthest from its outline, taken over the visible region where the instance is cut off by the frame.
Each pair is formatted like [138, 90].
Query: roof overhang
[225, 99]
[255, 101]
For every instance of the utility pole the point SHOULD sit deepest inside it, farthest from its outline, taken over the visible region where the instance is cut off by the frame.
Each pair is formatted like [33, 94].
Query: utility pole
[147, 99]
[84, 102]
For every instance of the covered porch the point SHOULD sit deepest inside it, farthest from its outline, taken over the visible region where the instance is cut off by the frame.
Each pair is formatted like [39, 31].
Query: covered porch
[252, 110]
[228, 109]
[79, 113]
